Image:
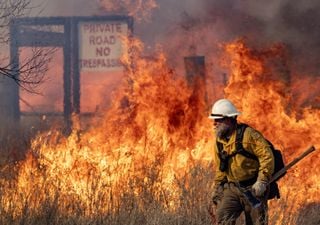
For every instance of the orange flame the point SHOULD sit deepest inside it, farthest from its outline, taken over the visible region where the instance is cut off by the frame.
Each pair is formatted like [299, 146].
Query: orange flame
[153, 131]
[259, 87]
[156, 131]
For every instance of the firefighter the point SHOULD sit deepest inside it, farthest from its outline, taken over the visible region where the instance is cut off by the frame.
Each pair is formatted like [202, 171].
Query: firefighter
[236, 173]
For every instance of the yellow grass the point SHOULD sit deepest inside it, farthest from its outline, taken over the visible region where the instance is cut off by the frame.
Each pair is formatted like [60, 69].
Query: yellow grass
[149, 207]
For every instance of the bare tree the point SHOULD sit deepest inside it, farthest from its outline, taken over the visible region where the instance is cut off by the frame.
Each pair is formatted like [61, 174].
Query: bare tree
[31, 70]
[10, 9]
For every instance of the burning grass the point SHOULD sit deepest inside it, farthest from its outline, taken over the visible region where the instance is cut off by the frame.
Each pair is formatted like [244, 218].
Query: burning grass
[147, 159]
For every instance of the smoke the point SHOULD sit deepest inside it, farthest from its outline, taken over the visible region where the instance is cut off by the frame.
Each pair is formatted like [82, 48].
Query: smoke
[48, 8]
[291, 22]
[198, 27]
[200, 24]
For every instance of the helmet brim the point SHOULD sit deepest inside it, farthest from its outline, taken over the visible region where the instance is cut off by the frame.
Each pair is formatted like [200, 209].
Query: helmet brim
[220, 116]
[215, 117]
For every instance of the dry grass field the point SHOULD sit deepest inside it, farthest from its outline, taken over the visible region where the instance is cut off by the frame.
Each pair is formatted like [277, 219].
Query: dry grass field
[135, 200]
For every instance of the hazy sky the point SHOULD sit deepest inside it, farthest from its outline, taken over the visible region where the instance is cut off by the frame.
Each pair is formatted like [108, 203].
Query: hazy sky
[293, 22]
[186, 27]
[64, 7]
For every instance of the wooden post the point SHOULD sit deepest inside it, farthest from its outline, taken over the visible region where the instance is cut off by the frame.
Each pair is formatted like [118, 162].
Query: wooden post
[67, 102]
[14, 110]
[195, 67]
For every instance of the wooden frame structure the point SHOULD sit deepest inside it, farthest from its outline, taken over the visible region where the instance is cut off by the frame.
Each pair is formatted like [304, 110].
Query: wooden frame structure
[22, 34]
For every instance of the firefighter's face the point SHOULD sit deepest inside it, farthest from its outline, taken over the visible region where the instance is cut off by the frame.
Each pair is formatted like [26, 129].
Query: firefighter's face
[223, 127]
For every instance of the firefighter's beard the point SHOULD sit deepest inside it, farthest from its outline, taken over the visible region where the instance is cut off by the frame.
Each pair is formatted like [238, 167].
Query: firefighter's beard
[223, 131]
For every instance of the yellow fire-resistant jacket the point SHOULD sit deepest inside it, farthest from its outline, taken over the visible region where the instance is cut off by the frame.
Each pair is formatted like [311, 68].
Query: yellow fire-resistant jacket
[242, 168]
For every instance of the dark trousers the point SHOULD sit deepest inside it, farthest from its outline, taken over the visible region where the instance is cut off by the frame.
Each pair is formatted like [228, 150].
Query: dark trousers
[233, 203]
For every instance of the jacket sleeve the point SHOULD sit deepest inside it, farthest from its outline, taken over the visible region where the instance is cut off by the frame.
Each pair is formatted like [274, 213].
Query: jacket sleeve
[261, 148]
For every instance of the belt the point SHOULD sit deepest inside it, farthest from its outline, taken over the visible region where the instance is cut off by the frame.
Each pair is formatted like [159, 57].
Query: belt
[244, 183]
[249, 182]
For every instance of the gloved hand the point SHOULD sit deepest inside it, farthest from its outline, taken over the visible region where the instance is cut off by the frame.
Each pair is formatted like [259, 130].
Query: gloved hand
[259, 187]
[217, 193]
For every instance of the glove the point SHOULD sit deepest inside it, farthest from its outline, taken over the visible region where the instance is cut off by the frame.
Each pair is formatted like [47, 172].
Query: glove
[259, 187]
[217, 193]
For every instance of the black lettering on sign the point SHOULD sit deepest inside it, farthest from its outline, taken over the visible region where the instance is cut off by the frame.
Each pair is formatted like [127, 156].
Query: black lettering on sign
[103, 51]
[99, 63]
[103, 28]
[102, 40]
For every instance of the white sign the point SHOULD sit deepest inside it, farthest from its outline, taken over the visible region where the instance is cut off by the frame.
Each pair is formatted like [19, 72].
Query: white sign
[101, 46]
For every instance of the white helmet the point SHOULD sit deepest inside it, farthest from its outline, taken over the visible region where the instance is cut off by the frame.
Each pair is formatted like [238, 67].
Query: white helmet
[223, 108]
